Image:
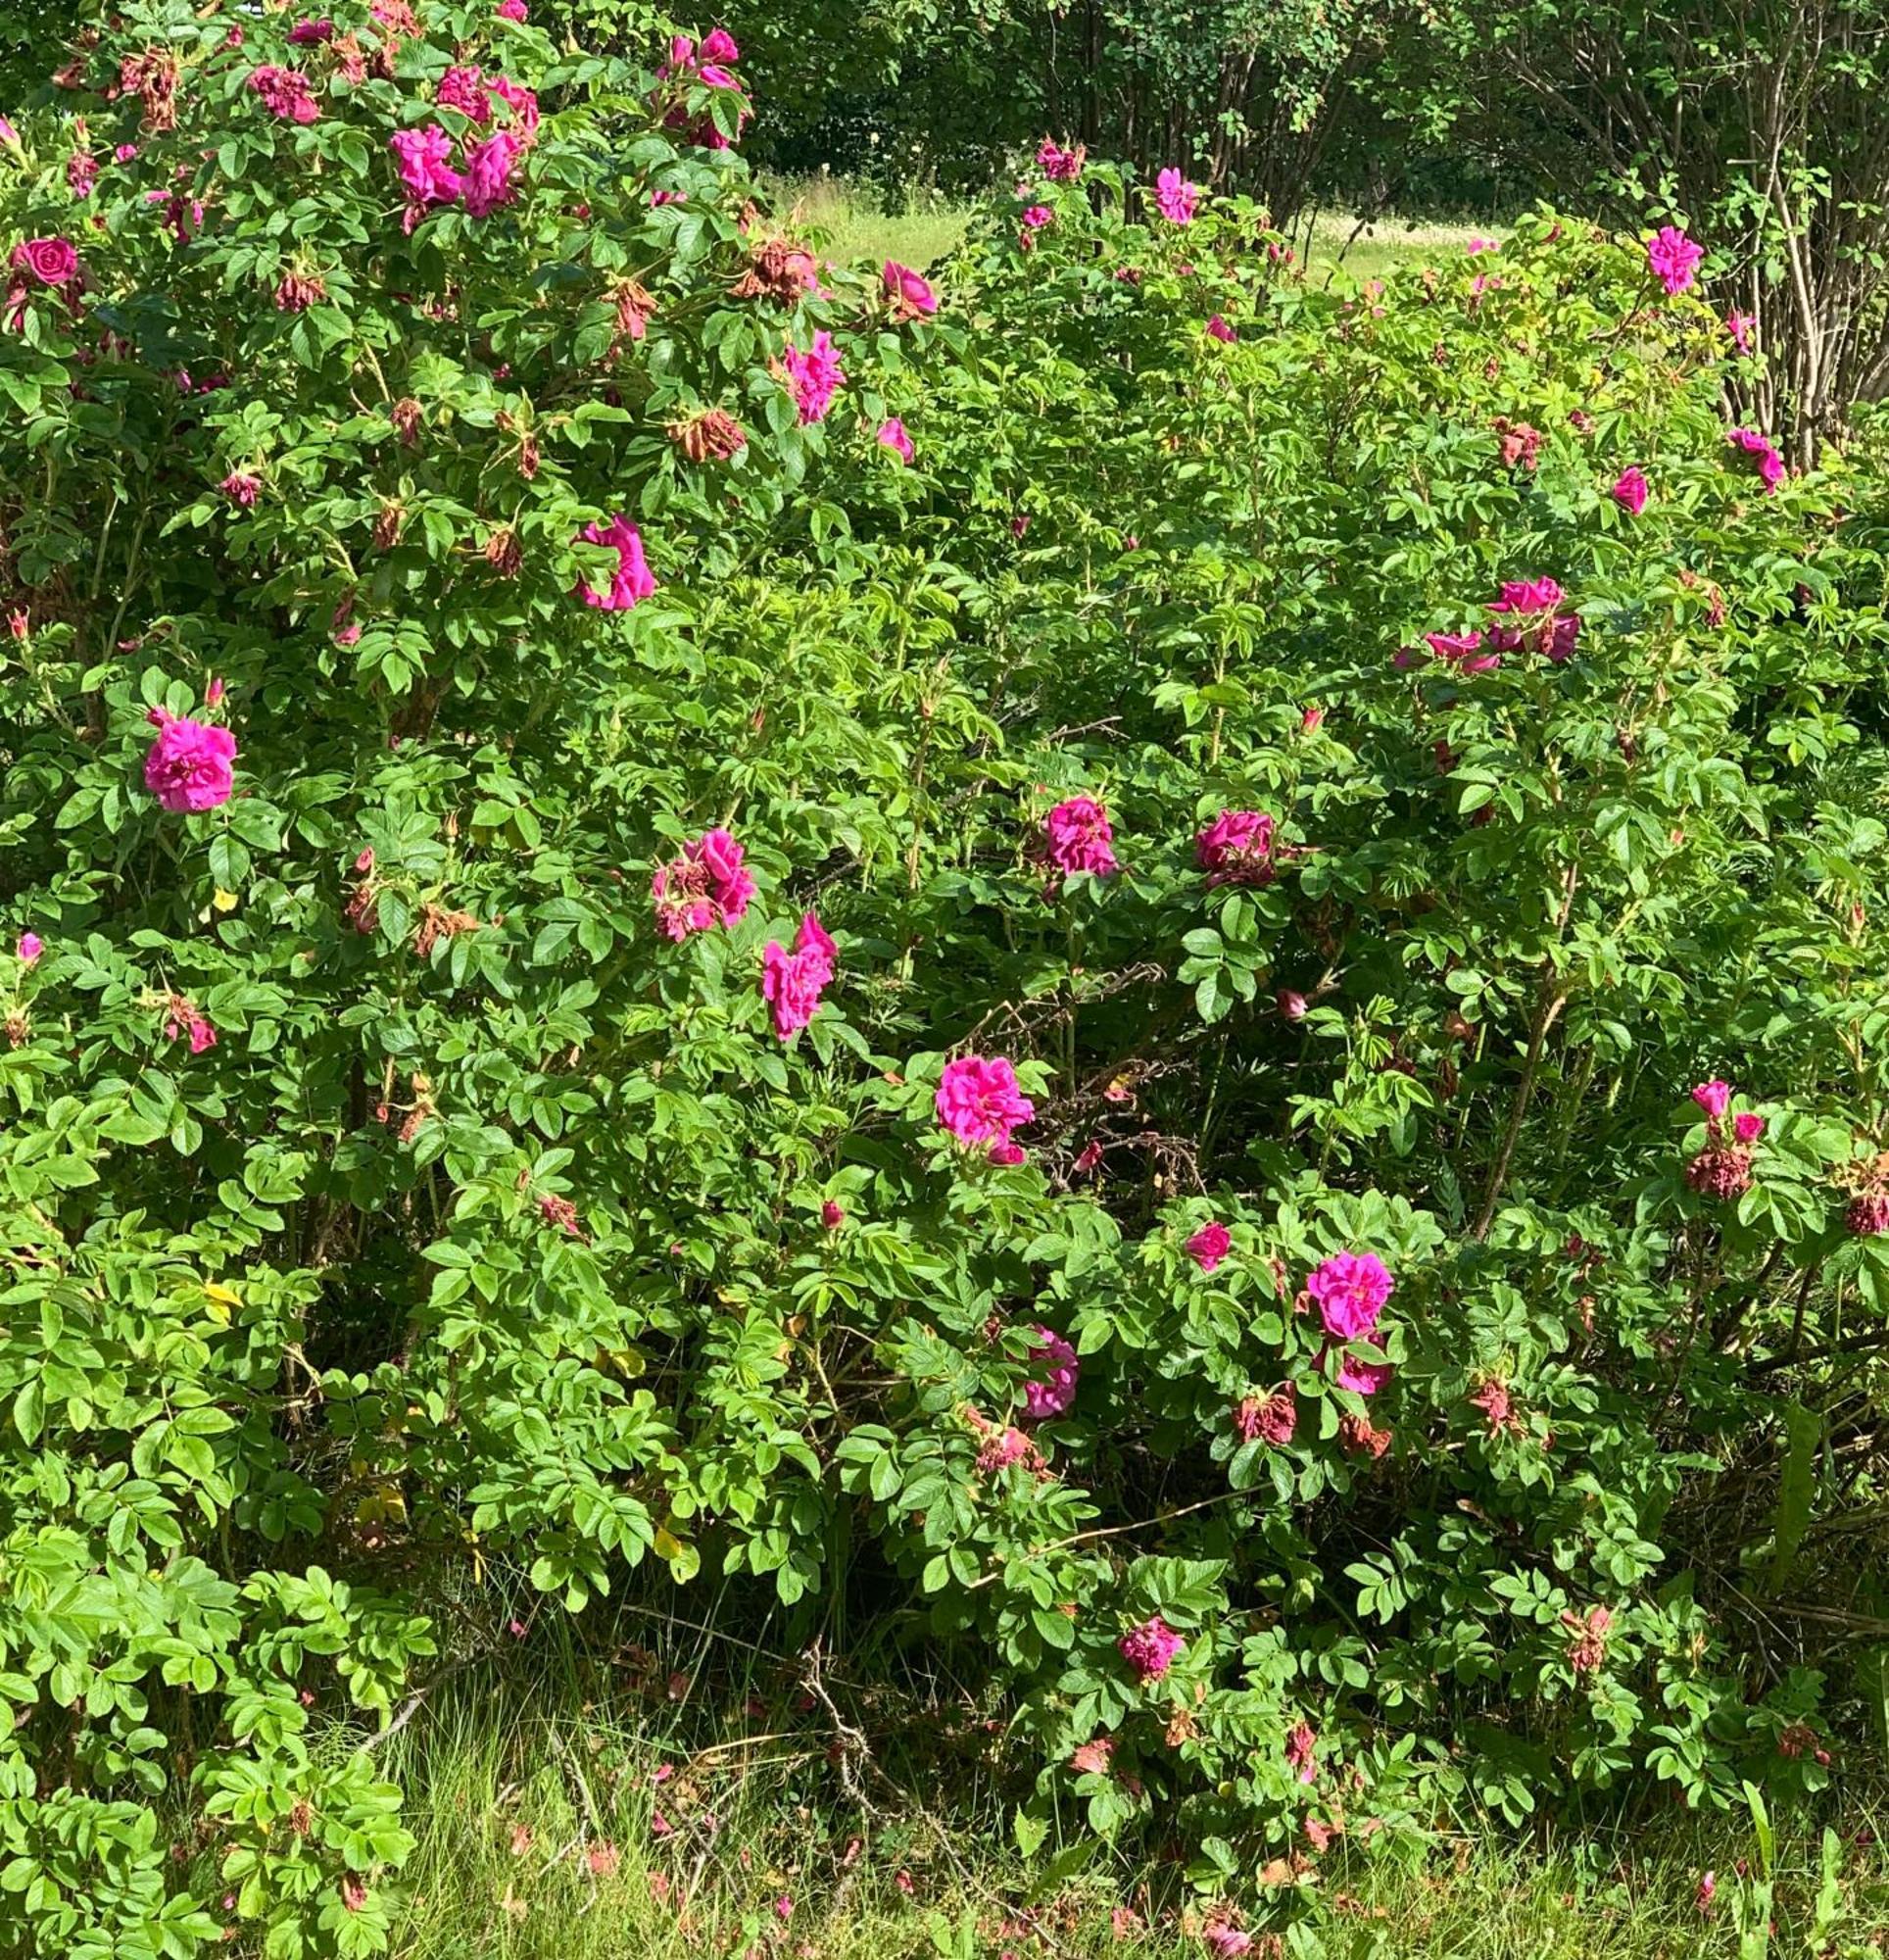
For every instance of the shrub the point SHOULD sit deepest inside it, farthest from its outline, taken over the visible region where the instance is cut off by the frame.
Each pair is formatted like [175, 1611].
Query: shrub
[980, 1028]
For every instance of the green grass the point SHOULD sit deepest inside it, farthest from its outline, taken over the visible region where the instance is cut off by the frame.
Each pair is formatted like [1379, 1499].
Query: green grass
[856, 220]
[555, 1825]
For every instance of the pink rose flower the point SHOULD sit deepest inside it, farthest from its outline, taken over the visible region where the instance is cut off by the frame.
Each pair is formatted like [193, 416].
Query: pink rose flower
[53, 261]
[1463, 651]
[792, 982]
[1037, 217]
[1149, 1649]
[718, 45]
[464, 89]
[1361, 1377]
[892, 435]
[189, 765]
[1770, 465]
[707, 885]
[1237, 848]
[424, 169]
[1051, 1390]
[815, 376]
[632, 580]
[979, 1101]
[1176, 197]
[1301, 1751]
[1350, 1288]
[1078, 837]
[1631, 491]
[1747, 1126]
[833, 1214]
[1217, 329]
[1739, 325]
[1714, 1098]
[31, 946]
[1674, 258]
[908, 294]
[513, 10]
[306, 34]
[488, 172]
[241, 488]
[1210, 1245]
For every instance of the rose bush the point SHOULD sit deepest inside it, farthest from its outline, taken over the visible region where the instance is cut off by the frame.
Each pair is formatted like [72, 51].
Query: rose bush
[1083, 1027]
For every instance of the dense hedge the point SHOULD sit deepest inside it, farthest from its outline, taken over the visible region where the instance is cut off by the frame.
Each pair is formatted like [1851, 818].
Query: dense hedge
[1174, 966]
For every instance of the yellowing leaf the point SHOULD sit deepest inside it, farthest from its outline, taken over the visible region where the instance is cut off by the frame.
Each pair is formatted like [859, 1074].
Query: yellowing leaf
[225, 901]
[219, 1299]
[667, 1545]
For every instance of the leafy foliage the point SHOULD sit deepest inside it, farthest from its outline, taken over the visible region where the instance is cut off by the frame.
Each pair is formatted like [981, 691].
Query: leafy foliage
[393, 1210]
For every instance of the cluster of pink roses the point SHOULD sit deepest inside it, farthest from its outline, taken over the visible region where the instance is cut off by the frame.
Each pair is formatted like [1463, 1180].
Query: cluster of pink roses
[1723, 1169]
[1078, 837]
[424, 156]
[708, 884]
[709, 67]
[632, 580]
[1058, 165]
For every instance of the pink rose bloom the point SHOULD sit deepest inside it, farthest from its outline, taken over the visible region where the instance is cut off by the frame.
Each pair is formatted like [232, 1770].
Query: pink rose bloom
[1237, 848]
[488, 172]
[1210, 1245]
[1037, 215]
[188, 768]
[833, 1214]
[202, 1035]
[979, 1101]
[910, 293]
[1747, 1126]
[1301, 1751]
[124, 153]
[632, 579]
[718, 45]
[241, 488]
[1176, 197]
[1078, 837]
[1529, 595]
[892, 435]
[815, 376]
[1007, 1156]
[792, 982]
[464, 89]
[1149, 1649]
[307, 32]
[1770, 465]
[1739, 325]
[513, 10]
[53, 261]
[1361, 1377]
[1227, 1942]
[1674, 258]
[1217, 329]
[1714, 1098]
[707, 885]
[1631, 491]
[1058, 165]
[1350, 1288]
[1463, 651]
[31, 946]
[285, 93]
[1051, 1390]
[521, 100]
[424, 169]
